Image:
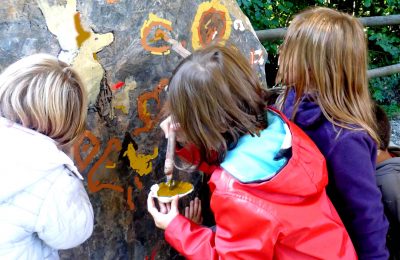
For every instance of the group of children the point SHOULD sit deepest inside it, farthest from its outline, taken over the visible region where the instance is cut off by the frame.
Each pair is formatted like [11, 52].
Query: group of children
[293, 181]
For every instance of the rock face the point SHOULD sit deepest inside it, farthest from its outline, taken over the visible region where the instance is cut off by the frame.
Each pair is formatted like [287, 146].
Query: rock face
[118, 47]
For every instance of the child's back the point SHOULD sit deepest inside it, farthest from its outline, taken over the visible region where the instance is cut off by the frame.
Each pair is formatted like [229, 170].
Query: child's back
[267, 177]
[43, 203]
[323, 64]
[388, 180]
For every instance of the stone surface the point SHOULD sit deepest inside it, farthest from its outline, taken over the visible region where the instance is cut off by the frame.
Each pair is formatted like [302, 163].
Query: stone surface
[395, 138]
[117, 47]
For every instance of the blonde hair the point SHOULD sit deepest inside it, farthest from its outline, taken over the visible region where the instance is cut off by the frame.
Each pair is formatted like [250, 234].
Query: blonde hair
[325, 53]
[216, 97]
[46, 95]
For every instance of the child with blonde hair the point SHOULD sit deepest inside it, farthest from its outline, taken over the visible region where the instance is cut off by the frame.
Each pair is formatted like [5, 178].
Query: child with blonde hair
[323, 64]
[43, 204]
[267, 177]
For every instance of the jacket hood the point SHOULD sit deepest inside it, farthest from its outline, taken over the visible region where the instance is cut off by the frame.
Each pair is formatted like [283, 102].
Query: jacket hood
[308, 112]
[390, 165]
[261, 162]
[27, 156]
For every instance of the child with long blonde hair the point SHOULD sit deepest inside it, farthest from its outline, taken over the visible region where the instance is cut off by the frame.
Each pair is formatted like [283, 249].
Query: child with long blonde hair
[267, 177]
[43, 203]
[323, 64]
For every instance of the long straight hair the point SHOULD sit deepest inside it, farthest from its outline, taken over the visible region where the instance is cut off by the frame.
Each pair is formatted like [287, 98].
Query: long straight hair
[325, 53]
[216, 97]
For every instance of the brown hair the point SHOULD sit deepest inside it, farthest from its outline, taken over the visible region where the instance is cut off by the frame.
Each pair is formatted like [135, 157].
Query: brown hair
[46, 95]
[384, 128]
[325, 52]
[215, 97]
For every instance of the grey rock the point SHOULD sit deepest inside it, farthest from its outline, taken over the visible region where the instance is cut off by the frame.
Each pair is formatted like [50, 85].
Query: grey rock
[123, 228]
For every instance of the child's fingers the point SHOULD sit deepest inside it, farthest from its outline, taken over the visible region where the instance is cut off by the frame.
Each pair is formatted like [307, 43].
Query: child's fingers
[191, 209]
[174, 204]
[197, 205]
[151, 207]
[163, 208]
[187, 213]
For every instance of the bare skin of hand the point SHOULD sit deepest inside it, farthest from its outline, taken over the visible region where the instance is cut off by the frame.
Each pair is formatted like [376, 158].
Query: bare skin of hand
[168, 211]
[167, 125]
[193, 211]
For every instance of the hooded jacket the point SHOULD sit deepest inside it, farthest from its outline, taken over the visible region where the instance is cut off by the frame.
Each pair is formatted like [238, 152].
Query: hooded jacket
[269, 202]
[350, 157]
[43, 204]
[388, 180]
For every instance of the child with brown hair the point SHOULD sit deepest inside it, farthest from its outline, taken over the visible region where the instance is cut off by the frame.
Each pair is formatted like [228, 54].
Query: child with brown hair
[267, 177]
[323, 64]
[43, 203]
[388, 180]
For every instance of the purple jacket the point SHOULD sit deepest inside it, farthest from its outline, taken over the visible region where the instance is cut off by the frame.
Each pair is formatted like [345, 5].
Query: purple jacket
[350, 157]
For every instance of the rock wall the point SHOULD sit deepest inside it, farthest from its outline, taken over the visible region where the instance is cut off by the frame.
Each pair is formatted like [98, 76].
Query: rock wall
[119, 49]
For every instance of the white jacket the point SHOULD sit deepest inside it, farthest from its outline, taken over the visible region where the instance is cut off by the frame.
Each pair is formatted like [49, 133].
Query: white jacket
[43, 203]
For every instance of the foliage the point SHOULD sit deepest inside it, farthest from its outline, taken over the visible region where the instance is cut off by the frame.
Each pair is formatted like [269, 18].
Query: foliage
[383, 41]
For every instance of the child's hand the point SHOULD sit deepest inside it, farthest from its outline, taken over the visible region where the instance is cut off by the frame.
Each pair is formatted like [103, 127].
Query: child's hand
[168, 211]
[193, 212]
[167, 126]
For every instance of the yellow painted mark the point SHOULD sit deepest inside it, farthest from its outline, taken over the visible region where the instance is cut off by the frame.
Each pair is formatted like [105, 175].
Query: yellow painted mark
[82, 34]
[79, 47]
[139, 162]
[121, 99]
[220, 30]
[111, 166]
[89, 69]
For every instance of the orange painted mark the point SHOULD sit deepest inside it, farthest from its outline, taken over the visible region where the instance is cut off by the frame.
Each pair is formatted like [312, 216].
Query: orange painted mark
[256, 57]
[94, 186]
[94, 142]
[112, 1]
[118, 85]
[160, 28]
[129, 199]
[85, 147]
[82, 34]
[138, 183]
[148, 121]
[212, 23]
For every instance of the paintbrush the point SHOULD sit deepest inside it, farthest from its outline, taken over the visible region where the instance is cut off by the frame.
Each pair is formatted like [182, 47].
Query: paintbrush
[169, 159]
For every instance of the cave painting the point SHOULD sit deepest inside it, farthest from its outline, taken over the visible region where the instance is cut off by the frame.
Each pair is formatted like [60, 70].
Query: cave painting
[238, 25]
[257, 57]
[212, 23]
[78, 45]
[121, 99]
[153, 34]
[148, 120]
[140, 163]
[105, 166]
[89, 69]
[61, 21]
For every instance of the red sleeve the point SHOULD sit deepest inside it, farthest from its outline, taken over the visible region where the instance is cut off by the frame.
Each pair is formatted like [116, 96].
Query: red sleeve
[191, 154]
[238, 234]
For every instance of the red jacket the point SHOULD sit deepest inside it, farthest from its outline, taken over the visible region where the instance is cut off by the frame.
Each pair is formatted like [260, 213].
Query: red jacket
[288, 216]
